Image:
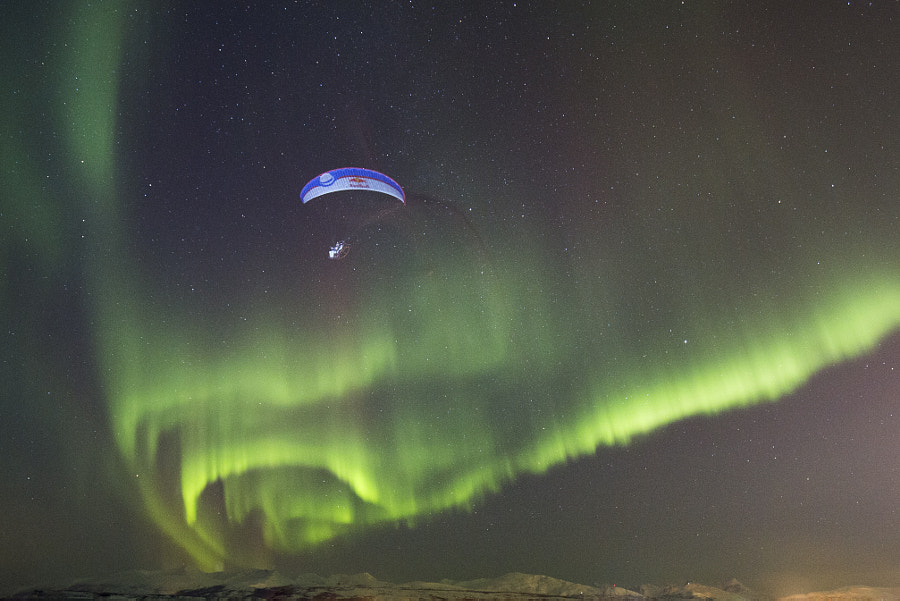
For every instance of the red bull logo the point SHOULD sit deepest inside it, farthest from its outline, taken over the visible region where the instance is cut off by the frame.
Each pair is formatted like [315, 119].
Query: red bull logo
[358, 182]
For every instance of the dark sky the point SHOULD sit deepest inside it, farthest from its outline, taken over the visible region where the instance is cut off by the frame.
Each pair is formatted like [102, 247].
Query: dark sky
[636, 322]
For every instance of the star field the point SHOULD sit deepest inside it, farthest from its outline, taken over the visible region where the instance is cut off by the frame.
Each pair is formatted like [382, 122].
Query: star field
[636, 322]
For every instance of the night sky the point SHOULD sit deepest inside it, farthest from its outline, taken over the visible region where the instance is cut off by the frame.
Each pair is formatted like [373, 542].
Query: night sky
[636, 322]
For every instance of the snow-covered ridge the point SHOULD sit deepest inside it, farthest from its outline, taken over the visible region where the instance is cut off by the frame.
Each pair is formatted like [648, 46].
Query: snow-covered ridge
[265, 584]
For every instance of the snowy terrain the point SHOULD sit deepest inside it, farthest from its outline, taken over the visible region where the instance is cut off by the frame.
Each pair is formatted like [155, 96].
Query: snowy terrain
[263, 584]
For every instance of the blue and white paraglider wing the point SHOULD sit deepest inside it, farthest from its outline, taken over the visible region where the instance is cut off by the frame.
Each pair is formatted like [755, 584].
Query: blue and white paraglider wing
[350, 179]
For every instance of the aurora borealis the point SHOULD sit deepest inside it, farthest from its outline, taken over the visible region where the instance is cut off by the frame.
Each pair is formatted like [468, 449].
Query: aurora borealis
[637, 320]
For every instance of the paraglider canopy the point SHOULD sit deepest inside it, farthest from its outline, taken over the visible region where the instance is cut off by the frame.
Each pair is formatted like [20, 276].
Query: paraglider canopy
[351, 178]
[353, 207]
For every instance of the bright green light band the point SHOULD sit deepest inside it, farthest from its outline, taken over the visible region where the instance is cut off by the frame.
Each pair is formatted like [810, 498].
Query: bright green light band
[322, 437]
